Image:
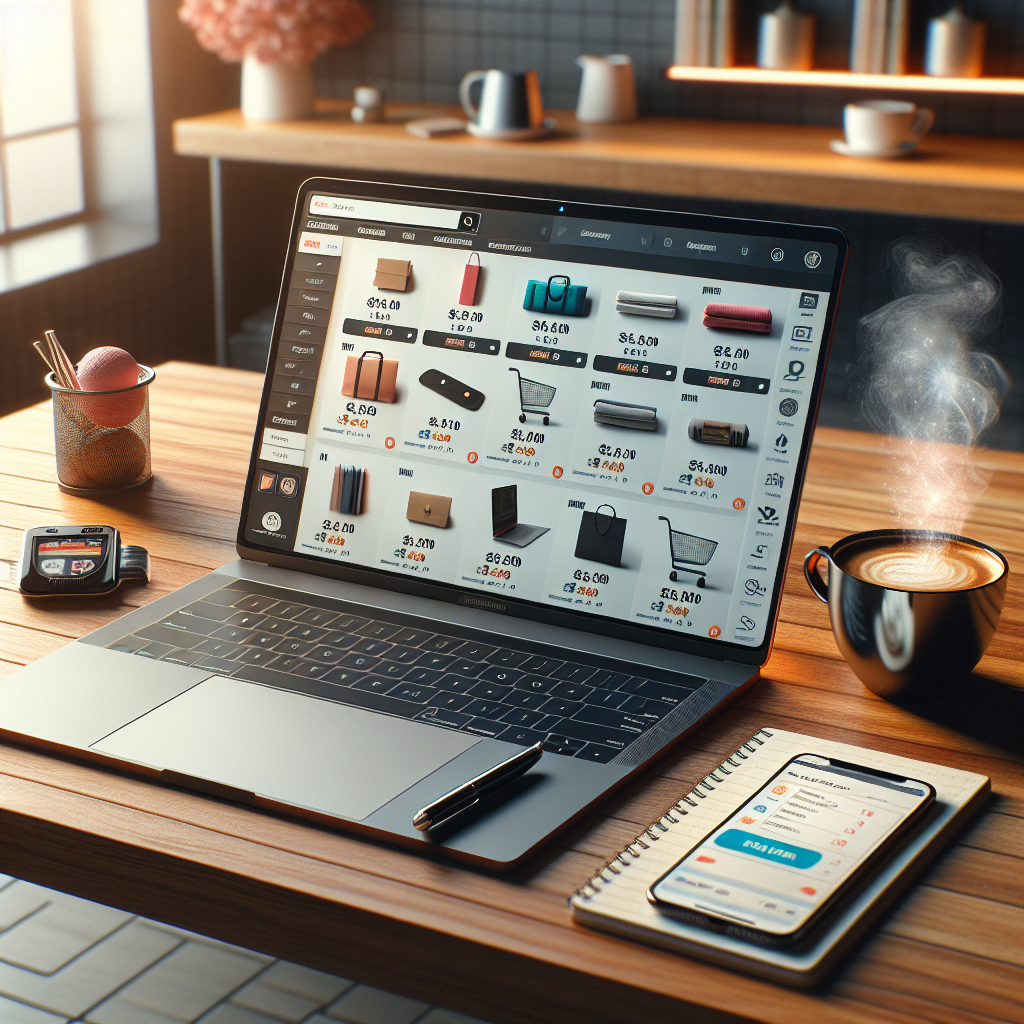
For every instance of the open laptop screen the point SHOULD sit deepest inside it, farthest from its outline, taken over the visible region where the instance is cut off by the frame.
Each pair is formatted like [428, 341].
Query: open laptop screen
[647, 380]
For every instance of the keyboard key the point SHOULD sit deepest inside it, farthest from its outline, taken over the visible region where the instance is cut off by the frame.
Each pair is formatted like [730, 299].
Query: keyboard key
[472, 651]
[556, 744]
[435, 661]
[613, 718]
[206, 610]
[668, 692]
[485, 708]
[375, 648]
[548, 723]
[361, 662]
[500, 674]
[442, 644]
[640, 707]
[219, 648]
[226, 597]
[343, 676]
[284, 662]
[596, 734]
[279, 627]
[484, 727]
[182, 656]
[524, 699]
[522, 716]
[450, 701]
[349, 623]
[405, 655]
[311, 633]
[464, 667]
[189, 623]
[572, 673]
[608, 680]
[391, 669]
[524, 737]
[571, 691]
[417, 694]
[373, 684]
[456, 684]
[236, 634]
[317, 617]
[541, 666]
[155, 650]
[443, 716]
[493, 691]
[564, 708]
[336, 638]
[428, 676]
[608, 698]
[287, 645]
[250, 620]
[535, 684]
[411, 637]
[375, 628]
[510, 659]
[325, 655]
[220, 665]
[254, 656]
[266, 640]
[287, 610]
[311, 670]
[251, 603]
[596, 752]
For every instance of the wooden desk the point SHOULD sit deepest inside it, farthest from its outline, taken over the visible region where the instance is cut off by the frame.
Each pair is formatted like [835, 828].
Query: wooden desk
[504, 949]
[951, 176]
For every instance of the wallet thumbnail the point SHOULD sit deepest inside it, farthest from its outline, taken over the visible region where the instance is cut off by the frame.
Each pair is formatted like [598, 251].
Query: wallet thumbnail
[373, 380]
[347, 491]
[735, 435]
[622, 414]
[722, 316]
[452, 389]
[393, 275]
[429, 509]
[644, 304]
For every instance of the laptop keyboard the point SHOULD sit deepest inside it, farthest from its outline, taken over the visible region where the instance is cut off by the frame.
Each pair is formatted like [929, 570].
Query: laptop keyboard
[397, 666]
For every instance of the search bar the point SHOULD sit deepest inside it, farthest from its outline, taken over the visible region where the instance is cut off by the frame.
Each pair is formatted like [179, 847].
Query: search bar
[393, 213]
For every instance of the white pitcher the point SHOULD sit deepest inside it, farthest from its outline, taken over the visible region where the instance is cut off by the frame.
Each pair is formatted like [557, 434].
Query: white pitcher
[608, 89]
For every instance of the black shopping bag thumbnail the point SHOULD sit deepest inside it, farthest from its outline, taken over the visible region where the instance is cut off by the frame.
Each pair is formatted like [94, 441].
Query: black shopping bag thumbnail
[601, 536]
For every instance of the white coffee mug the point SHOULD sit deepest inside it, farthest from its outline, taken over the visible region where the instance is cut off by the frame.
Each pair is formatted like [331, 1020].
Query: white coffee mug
[879, 126]
[607, 89]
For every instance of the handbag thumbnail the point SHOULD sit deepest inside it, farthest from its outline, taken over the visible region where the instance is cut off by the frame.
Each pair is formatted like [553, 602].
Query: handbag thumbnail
[348, 490]
[429, 509]
[735, 435]
[722, 316]
[644, 304]
[622, 414]
[392, 275]
[373, 380]
[558, 295]
[600, 537]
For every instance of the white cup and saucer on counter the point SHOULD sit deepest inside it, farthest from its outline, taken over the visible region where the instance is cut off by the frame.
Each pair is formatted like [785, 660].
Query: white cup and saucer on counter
[884, 129]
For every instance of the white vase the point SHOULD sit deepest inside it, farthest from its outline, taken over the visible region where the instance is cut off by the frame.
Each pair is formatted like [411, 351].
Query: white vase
[276, 91]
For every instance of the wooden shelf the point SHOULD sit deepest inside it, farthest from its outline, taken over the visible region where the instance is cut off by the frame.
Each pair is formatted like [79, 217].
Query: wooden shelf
[951, 176]
[850, 80]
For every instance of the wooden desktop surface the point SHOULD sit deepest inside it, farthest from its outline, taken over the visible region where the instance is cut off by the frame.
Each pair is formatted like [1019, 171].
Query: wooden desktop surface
[950, 175]
[504, 949]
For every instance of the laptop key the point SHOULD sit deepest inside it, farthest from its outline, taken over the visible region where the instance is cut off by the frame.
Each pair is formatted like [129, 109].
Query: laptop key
[266, 640]
[608, 680]
[316, 617]
[311, 633]
[253, 602]
[444, 716]
[485, 708]
[154, 650]
[218, 648]
[435, 661]
[284, 662]
[484, 727]
[596, 734]
[236, 634]
[405, 655]
[564, 708]
[336, 638]
[541, 666]
[220, 665]
[182, 656]
[206, 610]
[326, 655]
[349, 623]
[547, 723]
[557, 744]
[535, 684]
[508, 658]
[450, 701]
[493, 691]
[517, 734]
[613, 718]
[608, 698]
[596, 752]
[287, 610]
[391, 669]
[279, 627]
[442, 644]
[287, 645]
[417, 694]
[572, 673]
[373, 684]
[361, 662]
[249, 620]
[464, 667]
[343, 676]
[311, 670]
[571, 691]
[228, 597]
[524, 699]
[522, 716]
[502, 675]
[472, 651]
[456, 684]
[376, 629]
[376, 648]
[254, 656]
[641, 707]
[411, 637]
[668, 692]
[188, 623]
[428, 676]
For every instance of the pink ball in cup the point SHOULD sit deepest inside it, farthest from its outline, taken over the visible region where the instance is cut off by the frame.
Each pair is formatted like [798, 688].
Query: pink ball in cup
[109, 368]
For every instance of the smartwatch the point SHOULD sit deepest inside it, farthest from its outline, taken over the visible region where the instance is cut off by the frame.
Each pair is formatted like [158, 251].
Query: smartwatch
[78, 560]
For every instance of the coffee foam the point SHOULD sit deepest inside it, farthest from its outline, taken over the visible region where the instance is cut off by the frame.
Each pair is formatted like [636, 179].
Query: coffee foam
[922, 566]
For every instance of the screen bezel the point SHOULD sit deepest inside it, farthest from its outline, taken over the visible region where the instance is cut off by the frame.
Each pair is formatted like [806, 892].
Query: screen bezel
[721, 650]
[844, 887]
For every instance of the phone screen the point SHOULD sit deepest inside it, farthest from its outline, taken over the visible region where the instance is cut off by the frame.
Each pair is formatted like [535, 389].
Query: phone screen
[789, 848]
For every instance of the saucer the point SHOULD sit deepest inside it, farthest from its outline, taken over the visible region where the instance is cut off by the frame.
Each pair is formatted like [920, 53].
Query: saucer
[512, 134]
[894, 153]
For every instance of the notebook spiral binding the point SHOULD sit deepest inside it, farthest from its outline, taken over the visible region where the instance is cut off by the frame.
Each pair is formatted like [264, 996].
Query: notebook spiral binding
[633, 851]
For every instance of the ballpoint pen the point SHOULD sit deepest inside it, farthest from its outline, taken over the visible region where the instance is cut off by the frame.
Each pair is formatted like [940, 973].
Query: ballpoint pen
[465, 796]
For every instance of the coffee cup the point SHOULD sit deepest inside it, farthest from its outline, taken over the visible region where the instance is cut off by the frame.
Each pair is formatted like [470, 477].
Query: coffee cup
[884, 126]
[509, 101]
[910, 609]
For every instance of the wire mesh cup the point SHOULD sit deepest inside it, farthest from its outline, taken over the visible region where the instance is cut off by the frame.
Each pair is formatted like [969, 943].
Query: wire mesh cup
[101, 438]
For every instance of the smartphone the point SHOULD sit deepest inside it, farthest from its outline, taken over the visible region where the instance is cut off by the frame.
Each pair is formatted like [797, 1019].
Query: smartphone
[768, 873]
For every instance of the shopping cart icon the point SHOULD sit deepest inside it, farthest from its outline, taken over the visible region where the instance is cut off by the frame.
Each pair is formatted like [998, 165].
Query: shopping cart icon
[534, 397]
[687, 550]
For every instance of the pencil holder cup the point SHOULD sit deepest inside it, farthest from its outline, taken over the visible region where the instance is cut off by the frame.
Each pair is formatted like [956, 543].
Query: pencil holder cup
[101, 438]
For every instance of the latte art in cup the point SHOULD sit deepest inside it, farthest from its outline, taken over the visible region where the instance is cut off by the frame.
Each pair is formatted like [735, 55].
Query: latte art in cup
[942, 565]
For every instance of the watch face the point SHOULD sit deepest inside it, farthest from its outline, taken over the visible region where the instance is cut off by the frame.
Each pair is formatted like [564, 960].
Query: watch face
[75, 557]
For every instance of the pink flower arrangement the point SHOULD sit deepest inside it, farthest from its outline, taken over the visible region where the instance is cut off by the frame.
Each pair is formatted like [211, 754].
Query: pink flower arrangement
[290, 31]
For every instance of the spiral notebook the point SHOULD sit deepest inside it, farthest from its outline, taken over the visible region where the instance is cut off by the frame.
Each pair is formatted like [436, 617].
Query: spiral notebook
[615, 899]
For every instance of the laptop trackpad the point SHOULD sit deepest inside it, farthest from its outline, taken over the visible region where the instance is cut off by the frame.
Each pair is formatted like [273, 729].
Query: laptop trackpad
[286, 746]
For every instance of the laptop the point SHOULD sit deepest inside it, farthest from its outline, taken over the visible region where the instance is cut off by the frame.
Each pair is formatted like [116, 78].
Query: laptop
[372, 648]
[505, 519]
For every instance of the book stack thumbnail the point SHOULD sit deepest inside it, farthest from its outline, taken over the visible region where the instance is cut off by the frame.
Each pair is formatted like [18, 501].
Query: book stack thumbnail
[348, 490]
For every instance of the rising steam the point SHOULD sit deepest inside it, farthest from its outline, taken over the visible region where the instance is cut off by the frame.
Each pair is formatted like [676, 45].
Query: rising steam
[927, 387]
